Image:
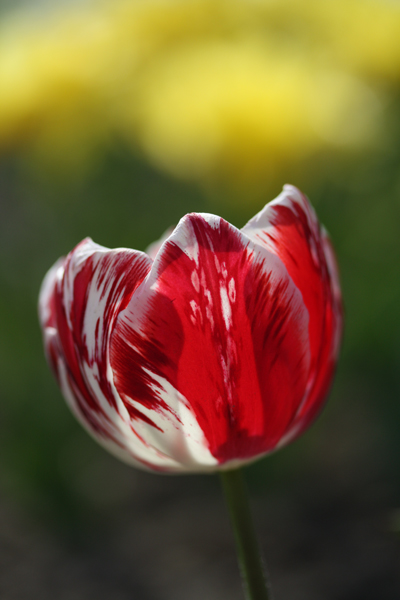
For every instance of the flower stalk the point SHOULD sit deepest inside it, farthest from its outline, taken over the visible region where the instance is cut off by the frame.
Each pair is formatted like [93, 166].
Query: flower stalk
[248, 551]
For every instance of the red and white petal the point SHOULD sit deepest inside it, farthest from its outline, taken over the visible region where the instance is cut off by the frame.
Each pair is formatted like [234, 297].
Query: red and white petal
[214, 346]
[79, 301]
[289, 228]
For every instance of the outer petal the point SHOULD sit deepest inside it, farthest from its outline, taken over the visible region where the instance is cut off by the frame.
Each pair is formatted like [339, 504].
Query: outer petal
[216, 336]
[289, 228]
[80, 299]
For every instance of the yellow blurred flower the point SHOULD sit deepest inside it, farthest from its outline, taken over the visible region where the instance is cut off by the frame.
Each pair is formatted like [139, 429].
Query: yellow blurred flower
[52, 85]
[238, 112]
[224, 92]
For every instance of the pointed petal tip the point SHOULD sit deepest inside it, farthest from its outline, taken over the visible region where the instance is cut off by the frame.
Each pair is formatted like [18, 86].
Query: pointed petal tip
[294, 193]
[289, 187]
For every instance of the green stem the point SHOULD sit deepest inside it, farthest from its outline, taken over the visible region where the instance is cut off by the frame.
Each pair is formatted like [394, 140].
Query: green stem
[249, 557]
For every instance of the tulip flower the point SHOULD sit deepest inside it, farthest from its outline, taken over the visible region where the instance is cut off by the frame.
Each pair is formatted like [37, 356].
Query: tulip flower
[218, 350]
[214, 349]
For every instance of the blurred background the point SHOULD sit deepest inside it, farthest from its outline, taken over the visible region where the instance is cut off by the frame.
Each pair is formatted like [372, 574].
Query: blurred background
[116, 119]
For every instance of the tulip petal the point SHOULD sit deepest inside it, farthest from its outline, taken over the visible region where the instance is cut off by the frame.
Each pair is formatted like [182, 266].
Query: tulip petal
[218, 334]
[79, 301]
[289, 228]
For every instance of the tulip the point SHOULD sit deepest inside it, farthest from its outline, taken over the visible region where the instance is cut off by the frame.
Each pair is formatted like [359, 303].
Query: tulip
[212, 349]
[216, 348]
